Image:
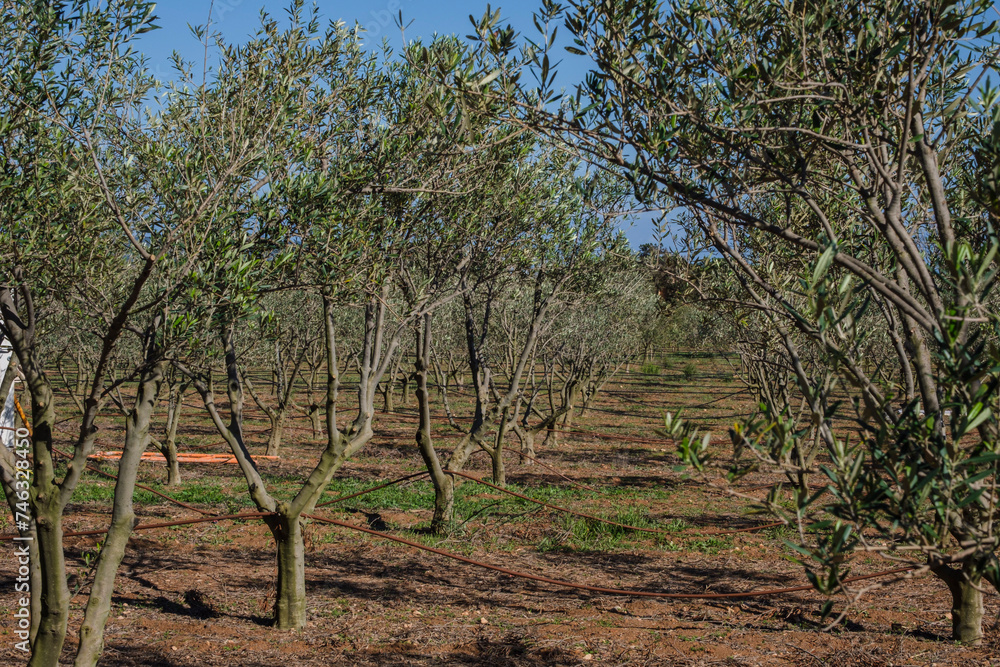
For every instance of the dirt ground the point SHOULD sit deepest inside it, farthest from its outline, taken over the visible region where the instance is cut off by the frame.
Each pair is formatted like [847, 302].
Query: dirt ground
[202, 594]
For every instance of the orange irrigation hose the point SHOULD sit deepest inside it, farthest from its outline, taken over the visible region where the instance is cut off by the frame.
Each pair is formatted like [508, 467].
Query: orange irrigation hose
[141, 486]
[596, 589]
[182, 457]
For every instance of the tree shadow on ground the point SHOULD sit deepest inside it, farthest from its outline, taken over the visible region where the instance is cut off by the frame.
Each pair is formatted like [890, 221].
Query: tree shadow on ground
[514, 650]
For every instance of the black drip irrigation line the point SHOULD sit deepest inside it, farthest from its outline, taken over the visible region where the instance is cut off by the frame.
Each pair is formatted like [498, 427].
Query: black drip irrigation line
[579, 485]
[215, 517]
[412, 476]
[151, 526]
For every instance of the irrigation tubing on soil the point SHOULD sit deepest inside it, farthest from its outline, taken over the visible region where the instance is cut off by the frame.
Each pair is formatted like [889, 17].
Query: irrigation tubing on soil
[24, 420]
[216, 517]
[166, 524]
[374, 488]
[464, 559]
[420, 474]
[579, 485]
[574, 430]
[495, 568]
[595, 589]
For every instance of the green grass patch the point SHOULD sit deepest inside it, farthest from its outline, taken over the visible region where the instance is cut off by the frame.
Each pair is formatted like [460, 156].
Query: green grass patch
[581, 534]
[91, 491]
[417, 494]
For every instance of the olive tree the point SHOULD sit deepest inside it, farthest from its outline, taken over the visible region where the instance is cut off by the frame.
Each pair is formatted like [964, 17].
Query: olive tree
[363, 160]
[106, 206]
[838, 158]
[282, 348]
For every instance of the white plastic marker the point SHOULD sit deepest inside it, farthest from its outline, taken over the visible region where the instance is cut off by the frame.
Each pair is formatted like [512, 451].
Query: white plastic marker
[7, 414]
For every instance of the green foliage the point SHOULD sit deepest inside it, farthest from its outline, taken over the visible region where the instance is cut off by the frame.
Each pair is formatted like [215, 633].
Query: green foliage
[743, 114]
[692, 446]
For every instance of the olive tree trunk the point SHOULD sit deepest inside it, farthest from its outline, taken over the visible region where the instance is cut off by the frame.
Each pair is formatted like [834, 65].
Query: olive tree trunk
[444, 484]
[123, 519]
[285, 518]
[54, 592]
[290, 597]
[169, 446]
[965, 585]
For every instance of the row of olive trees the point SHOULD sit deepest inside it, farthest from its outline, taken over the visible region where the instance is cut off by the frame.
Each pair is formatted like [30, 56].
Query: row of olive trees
[151, 234]
[306, 208]
[841, 162]
[101, 217]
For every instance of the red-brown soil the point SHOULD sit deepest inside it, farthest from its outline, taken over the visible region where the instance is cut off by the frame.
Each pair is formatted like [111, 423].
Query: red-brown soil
[202, 594]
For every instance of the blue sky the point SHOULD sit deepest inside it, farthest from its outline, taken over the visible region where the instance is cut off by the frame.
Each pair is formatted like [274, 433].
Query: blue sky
[238, 19]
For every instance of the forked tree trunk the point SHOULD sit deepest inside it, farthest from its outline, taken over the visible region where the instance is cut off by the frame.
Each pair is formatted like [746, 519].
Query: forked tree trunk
[315, 419]
[387, 398]
[496, 454]
[51, 497]
[123, 519]
[29, 573]
[169, 448]
[567, 420]
[13, 487]
[444, 504]
[388, 387]
[405, 397]
[173, 465]
[499, 472]
[276, 415]
[284, 519]
[527, 438]
[290, 597]
[444, 485]
[53, 593]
